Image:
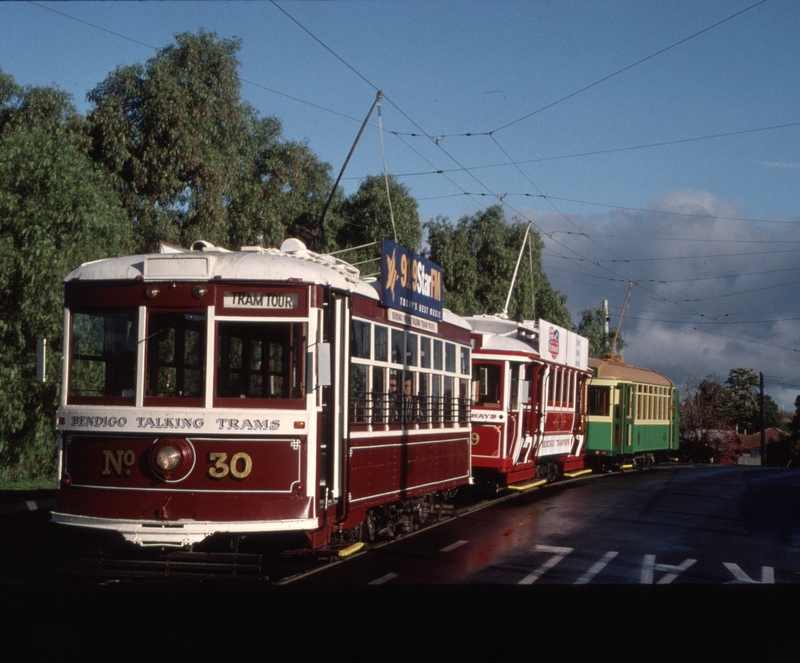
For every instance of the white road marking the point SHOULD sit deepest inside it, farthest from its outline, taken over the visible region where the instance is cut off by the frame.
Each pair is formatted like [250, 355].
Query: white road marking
[767, 574]
[453, 546]
[558, 555]
[383, 579]
[649, 567]
[596, 568]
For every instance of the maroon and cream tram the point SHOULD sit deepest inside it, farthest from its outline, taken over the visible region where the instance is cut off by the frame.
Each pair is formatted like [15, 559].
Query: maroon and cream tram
[527, 402]
[264, 390]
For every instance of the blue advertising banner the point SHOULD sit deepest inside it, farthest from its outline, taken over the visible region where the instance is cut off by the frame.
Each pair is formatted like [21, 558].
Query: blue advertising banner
[410, 283]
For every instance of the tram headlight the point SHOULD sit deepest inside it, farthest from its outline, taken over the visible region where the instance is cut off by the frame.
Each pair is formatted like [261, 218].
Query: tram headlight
[167, 458]
[172, 458]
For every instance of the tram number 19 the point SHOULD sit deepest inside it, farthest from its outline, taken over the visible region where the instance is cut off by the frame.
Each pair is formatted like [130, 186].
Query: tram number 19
[239, 466]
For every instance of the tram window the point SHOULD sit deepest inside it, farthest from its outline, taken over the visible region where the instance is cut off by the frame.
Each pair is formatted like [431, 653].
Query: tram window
[436, 398]
[359, 397]
[463, 402]
[176, 348]
[260, 360]
[464, 361]
[381, 343]
[103, 362]
[450, 357]
[486, 380]
[514, 395]
[360, 339]
[448, 400]
[398, 346]
[423, 405]
[569, 389]
[437, 355]
[379, 405]
[598, 401]
[411, 349]
[425, 352]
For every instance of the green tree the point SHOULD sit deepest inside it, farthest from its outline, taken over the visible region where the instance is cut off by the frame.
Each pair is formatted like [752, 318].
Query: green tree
[195, 162]
[591, 326]
[57, 210]
[743, 400]
[478, 256]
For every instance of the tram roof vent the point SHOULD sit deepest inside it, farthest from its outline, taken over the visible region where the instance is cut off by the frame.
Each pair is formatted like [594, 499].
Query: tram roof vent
[203, 245]
[293, 245]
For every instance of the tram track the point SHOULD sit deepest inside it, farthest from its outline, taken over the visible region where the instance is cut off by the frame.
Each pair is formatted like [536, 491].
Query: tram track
[474, 504]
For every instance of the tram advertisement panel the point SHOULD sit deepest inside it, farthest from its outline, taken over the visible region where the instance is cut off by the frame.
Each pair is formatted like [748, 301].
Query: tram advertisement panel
[563, 346]
[410, 283]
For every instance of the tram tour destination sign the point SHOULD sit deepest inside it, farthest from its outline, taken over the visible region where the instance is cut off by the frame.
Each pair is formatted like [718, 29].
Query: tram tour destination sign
[410, 283]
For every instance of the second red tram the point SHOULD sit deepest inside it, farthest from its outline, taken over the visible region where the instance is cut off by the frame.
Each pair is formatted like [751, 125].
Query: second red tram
[264, 390]
[528, 398]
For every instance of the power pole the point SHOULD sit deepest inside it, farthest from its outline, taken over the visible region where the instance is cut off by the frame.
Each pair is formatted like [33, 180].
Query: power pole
[763, 421]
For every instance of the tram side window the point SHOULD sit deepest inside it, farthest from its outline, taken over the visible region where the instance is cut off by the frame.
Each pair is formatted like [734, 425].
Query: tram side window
[360, 339]
[398, 346]
[598, 401]
[103, 362]
[359, 397]
[176, 354]
[381, 343]
[260, 360]
[425, 351]
[450, 357]
[448, 400]
[436, 398]
[464, 361]
[437, 356]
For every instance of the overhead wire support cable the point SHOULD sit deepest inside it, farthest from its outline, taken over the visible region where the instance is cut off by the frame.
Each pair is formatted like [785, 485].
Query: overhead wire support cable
[630, 66]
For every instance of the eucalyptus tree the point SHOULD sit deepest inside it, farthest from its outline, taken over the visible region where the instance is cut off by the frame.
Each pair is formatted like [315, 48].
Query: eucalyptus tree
[193, 160]
[57, 210]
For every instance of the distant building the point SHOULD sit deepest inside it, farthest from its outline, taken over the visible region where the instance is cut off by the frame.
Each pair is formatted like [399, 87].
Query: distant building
[750, 445]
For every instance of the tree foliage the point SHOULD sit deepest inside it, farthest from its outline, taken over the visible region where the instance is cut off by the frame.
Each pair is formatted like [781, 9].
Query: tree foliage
[591, 326]
[478, 256]
[744, 412]
[704, 408]
[195, 162]
[57, 210]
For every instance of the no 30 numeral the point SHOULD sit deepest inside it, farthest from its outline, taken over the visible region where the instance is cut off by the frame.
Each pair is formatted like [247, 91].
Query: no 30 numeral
[239, 466]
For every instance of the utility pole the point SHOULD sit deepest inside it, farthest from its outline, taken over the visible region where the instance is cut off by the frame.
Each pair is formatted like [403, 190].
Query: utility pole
[763, 421]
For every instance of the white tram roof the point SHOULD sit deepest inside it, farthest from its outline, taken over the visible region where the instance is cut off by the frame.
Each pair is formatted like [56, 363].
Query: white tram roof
[206, 262]
[529, 337]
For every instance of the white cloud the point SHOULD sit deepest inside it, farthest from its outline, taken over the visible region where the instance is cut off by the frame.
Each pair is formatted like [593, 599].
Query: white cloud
[710, 285]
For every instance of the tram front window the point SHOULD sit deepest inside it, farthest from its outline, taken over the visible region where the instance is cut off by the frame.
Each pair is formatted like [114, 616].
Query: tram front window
[260, 360]
[176, 354]
[103, 361]
[486, 385]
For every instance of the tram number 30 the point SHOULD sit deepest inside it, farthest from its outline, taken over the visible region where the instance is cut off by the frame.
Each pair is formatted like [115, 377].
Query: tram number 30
[239, 466]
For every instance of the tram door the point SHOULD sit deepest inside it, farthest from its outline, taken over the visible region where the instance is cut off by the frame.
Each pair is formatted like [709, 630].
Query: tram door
[623, 421]
[515, 434]
[333, 405]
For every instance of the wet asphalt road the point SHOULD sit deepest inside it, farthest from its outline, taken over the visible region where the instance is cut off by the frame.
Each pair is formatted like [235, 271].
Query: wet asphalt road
[681, 525]
[671, 525]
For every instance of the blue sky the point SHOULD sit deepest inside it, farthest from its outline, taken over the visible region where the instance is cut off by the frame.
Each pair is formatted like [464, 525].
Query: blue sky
[664, 136]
